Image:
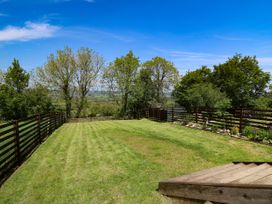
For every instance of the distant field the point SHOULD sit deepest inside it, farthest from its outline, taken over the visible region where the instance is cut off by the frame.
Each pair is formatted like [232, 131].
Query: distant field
[119, 162]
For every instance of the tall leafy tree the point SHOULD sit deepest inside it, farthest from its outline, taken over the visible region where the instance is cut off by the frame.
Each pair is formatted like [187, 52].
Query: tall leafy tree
[120, 77]
[88, 65]
[201, 75]
[39, 100]
[13, 105]
[242, 79]
[205, 95]
[142, 94]
[59, 74]
[16, 77]
[163, 75]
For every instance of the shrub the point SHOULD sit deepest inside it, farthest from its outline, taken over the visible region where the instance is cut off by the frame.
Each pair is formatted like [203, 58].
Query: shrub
[261, 135]
[234, 130]
[250, 132]
[257, 134]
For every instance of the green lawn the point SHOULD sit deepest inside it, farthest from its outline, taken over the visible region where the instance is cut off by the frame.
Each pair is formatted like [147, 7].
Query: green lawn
[119, 162]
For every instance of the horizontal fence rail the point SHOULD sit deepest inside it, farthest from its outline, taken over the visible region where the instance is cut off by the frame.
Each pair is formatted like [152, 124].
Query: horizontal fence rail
[239, 118]
[19, 138]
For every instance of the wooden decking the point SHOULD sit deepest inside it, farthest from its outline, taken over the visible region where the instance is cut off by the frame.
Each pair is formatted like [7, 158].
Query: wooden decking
[237, 182]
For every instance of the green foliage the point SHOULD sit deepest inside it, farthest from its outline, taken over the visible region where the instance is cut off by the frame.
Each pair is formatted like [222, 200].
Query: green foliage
[88, 66]
[100, 108]
[142, 94]
[206, 96]
[17, 100]
[164, 75]
[13, 105]
[120, 77]
[241, 79]
[16, 77]
[263, 103]
[59, 74]
[250, 132]
[39, 100]
[257, 134]
[198, 76]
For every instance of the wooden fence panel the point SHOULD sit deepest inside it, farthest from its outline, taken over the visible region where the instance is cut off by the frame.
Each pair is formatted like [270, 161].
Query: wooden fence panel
[19, 138]
[232, 118]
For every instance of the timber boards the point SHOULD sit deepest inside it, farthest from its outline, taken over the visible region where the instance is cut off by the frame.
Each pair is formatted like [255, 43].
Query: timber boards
[237, 182]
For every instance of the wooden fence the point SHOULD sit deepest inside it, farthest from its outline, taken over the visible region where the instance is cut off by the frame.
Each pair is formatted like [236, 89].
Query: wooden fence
[19, 138]
[232, 118]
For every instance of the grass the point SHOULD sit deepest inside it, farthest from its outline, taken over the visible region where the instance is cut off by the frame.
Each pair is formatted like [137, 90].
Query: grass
[119, 162]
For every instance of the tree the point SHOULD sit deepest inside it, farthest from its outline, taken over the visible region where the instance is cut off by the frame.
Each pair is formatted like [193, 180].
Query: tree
[59, 74]
[13, 105]
[142, 94]
[88, 65]
[201, 75]
[163, 75]
[39, 100]
[120, 77]
[241, 79]
[206, 96]
[16, 77]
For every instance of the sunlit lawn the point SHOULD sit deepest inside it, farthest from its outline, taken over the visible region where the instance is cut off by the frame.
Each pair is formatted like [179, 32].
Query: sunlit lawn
[119, 162]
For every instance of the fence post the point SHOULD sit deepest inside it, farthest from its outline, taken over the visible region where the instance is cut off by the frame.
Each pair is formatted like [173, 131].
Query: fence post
[173, 114]
[17, 141]
[241, 121]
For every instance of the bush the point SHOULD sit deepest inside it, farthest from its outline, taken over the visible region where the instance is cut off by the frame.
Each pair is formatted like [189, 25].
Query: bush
[257, 134]
[234, 130]
[100, 108]
[250, 132]
[261, 135]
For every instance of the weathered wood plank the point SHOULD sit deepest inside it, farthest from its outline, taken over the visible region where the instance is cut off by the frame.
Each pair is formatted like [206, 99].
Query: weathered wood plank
[256, 176]
[222, 175]
[233, 195]
[185, 177]
[216, 173]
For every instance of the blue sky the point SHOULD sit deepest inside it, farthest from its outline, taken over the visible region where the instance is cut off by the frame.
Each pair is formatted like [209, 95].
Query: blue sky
[189, 33]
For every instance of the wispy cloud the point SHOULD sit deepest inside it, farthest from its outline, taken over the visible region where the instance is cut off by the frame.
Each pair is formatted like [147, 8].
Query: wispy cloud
[189, 59]
[29, 31]
[96, 35]
[265, 61]
[231, 38]
[3, 15]
[3, 1]
[90, 1]
[192, 60]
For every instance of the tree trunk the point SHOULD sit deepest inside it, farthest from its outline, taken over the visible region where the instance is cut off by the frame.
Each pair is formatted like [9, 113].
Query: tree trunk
[80, 106]
[125, 104]
[68, 108]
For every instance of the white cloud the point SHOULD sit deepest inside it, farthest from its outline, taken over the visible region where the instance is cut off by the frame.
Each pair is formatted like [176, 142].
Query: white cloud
[28, 32]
